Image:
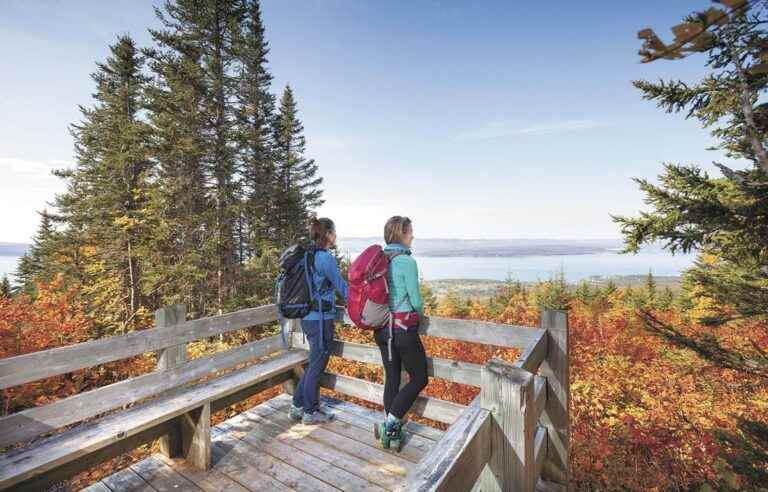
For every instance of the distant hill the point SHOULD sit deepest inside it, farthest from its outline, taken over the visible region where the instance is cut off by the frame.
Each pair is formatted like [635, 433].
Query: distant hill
[493, 247]
[13, 249]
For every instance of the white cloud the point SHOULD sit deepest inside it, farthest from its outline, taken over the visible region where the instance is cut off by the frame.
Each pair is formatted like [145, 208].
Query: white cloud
[505, 129]
[26, 187]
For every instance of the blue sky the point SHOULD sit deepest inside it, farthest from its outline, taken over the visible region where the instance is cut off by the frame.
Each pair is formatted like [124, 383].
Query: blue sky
[477, 119]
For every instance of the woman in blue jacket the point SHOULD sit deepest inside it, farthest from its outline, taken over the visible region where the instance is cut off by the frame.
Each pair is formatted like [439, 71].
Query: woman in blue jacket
[318, 324]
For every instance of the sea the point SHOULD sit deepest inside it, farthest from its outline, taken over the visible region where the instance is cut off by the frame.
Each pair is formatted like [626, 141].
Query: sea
[527, 267]
[516, 260]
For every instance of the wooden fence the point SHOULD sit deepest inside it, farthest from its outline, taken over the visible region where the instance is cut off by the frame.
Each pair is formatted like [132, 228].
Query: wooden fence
[513, 436]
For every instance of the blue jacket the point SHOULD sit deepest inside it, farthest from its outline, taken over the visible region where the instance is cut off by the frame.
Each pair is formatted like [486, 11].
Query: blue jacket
[327, 271]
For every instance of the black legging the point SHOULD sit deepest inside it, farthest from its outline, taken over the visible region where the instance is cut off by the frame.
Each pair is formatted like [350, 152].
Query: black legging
[408, 352]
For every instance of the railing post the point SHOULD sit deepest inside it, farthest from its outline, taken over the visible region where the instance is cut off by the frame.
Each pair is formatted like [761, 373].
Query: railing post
[168, 358]
[507, 392]
[556, 416]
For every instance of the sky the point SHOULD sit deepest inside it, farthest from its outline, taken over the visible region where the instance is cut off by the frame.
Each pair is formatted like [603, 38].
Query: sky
[490, 119]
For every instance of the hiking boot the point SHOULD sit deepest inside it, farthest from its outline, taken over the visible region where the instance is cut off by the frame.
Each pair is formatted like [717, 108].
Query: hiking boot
[296, 413]
[317, 417]
[389, 433]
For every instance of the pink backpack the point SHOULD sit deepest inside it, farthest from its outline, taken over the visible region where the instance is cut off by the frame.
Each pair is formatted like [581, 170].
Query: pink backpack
[368, 305]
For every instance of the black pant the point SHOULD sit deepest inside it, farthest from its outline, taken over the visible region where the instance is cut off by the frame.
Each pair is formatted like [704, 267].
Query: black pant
[408, 352]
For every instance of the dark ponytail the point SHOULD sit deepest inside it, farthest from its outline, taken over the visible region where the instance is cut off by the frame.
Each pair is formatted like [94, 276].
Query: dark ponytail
[319, 229]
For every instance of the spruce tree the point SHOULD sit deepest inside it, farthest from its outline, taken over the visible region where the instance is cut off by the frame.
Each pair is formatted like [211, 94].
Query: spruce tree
[103, 210]
[40, 262]
[298, 185]
[255, 120]
[5, 287]
[182, 251]
[724, 218]
[211, 30]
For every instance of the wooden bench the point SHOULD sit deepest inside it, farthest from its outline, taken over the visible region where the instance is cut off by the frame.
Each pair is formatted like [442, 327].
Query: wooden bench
[175, 412]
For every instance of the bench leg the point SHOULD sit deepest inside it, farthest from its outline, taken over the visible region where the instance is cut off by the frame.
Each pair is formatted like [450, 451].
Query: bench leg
[191, 438]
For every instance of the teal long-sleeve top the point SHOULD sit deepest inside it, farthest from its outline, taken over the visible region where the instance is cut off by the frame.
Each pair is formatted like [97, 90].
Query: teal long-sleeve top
[403, 279]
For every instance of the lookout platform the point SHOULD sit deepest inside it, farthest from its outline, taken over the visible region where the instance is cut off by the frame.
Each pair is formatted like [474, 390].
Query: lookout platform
[514, 436]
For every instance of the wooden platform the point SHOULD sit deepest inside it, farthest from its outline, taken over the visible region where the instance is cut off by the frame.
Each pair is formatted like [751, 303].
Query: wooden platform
[263, 449]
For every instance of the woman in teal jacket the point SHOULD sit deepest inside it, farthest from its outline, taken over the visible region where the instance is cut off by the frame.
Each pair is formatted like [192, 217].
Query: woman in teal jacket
[400, 343]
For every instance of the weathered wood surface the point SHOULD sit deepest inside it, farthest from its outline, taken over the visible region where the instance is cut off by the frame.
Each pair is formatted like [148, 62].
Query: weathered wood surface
[266, 437]
[507, 392]
[263, 449]
[171, 358]
[195, 437]
[127, 479]
[415, 450]
[368, 417]
[539, 449]
[470, 331]
[258, 426]
[534, 354]
[458, 458]
[431, 408]
[162, 477]
[556, 416]
[210, 480]
[29, 423]
[68, 447]
[452, 370]
[46, 363]
[65, 471]
[539, 396]
[175, 355]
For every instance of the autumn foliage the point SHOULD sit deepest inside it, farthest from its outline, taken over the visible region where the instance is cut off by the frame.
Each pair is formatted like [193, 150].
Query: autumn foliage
[646, 413]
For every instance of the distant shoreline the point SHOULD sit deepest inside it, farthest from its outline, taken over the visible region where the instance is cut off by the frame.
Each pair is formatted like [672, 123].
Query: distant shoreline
[483, 288]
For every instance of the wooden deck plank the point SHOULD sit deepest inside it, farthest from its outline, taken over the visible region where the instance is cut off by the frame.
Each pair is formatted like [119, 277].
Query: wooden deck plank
[386, 476]
[238, 468]
[368, 453]
[96, 487]
[210, 481]
[425, 406]
[372, 416]
[263, 440]
[279, 470]
[127, 480]
[162, 477]
[416, 448]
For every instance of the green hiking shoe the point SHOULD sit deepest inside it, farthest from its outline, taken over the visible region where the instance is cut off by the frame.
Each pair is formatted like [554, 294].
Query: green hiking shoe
[296, 413]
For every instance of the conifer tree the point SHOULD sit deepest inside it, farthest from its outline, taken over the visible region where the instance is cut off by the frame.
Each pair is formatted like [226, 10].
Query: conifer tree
[255, 120]
[298, 185]
[104, 206]
[182, 252]
[39, 262]
[5, 287]
[211, 30]
[724, 218]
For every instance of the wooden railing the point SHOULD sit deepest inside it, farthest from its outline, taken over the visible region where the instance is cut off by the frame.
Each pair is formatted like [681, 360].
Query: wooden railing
[518, 426]
[515, 435]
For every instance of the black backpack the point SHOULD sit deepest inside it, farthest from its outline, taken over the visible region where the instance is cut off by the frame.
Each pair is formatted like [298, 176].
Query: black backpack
[295, 294]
